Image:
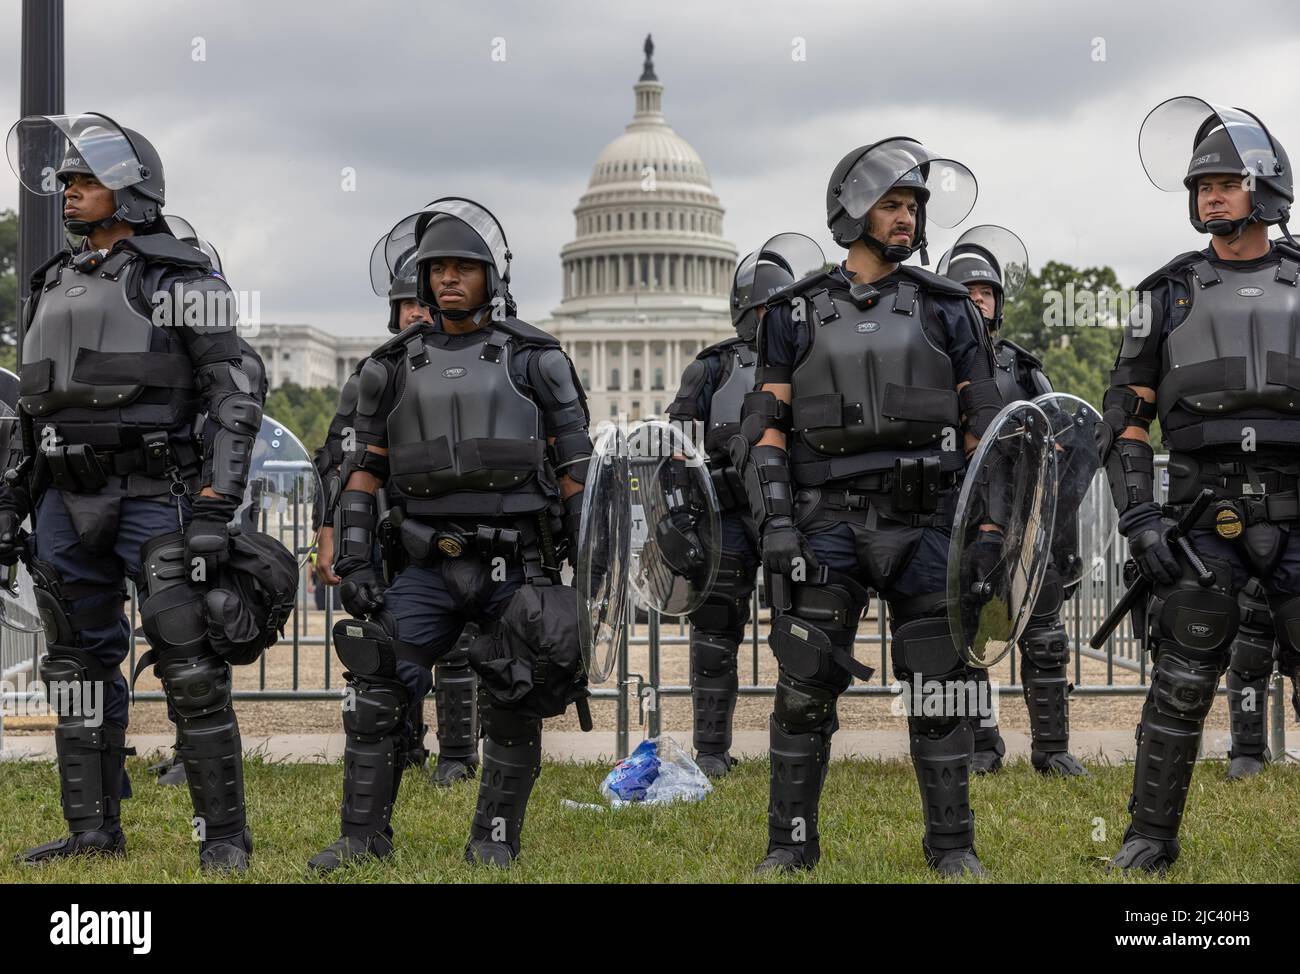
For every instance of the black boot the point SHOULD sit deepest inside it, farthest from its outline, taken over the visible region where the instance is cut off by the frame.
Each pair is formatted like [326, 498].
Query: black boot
[943, 772]
[92, 783]
[713, 699]
[374, 756]
[455, 699]
[1248, 718]
[512, 760]
[799, 766]
[1169, 735]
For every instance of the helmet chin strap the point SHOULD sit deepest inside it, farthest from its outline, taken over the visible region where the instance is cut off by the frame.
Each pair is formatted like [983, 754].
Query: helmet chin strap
[84, 228]
[1222, 228]
[890, 253]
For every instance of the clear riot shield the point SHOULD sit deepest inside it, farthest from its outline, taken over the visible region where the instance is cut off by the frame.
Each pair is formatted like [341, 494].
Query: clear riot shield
[1001, 535]
[1081, 496]
[601, 567]
[676, 532]
[283, 486]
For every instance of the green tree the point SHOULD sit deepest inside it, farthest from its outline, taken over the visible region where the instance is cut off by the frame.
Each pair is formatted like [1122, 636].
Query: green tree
[307, 412]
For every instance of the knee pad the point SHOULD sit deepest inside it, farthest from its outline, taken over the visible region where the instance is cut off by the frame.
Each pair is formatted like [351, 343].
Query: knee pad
[374, 709]
[925, 648]
[1046, 648]
[365, 648]
[813, 642]
[801, 708]
[1286, 623]
[510, 728]
[64, 670]
[1200, 620]
[172, 611]
[196, 687]
[712, 654]
[1184, 684]
[720, 615]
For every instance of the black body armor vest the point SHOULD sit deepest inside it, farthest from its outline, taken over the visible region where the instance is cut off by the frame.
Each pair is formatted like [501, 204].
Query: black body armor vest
[728, 400]
[1235, 358]
[872, 387]
[98, 368]
[1019, 375]
[463, 439]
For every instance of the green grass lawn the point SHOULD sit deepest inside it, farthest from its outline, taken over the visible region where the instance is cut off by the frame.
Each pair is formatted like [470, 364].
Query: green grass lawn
[1030, 829]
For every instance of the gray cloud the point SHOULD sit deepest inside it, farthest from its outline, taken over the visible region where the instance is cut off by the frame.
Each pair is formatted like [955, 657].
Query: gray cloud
[256, 136]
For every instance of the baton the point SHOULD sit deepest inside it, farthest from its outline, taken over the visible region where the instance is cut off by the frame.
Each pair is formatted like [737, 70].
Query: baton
[1141, 588]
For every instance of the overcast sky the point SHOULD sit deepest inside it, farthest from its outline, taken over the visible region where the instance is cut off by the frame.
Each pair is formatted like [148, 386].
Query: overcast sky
[255, 137]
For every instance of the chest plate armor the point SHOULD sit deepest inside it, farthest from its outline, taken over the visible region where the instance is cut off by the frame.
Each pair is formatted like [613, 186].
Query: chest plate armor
[463, 425]
[728, 400]
[88, 355]
[872, 379]
[1236, 354]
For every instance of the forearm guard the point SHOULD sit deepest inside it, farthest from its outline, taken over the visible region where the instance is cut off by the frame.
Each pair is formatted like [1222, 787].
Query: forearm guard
[1129, 463]
[354, 531]
[570, 454]
[980, 403]
[234, 417]
[768, 488]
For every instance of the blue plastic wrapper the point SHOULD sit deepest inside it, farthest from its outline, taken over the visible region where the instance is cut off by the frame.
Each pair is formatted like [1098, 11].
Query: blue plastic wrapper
[659, 771]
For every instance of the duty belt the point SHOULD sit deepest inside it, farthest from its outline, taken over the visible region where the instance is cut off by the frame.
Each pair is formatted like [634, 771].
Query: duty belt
[882, 502]
[81, 469]
[1245, 511]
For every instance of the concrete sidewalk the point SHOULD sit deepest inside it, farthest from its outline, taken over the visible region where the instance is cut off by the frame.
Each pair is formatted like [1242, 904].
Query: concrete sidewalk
[1114, 746]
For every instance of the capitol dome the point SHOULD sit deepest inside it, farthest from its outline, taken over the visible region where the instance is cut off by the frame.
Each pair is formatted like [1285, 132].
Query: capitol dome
[648, 230]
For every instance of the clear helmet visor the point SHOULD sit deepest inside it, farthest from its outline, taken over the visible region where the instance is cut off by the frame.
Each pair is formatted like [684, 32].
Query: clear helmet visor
[997, 247]
[904, 164]
[1173, 129]
[40, 147]
[783, 260]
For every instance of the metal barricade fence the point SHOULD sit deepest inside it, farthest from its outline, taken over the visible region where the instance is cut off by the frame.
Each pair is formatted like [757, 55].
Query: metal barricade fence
[308, 639]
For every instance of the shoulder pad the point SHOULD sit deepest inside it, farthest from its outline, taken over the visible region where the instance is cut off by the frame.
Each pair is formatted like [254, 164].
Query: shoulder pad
[812, 282]
[526, 333]
[555, 369]
[254, 368]
[1286, 250]
[372, 380]
[720, 348]
[932, 282]
[166, 249]
[394, 345]
[37, 277]
[1023, 355]
[1172, 269]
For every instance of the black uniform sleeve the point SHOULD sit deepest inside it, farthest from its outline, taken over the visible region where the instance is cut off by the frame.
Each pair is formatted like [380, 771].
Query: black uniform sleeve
[695, 394]
[781, 343]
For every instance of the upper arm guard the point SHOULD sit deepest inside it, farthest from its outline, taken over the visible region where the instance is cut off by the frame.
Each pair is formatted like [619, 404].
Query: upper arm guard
[206, 313]
[373, 381]
[686, 405]
[551, 374]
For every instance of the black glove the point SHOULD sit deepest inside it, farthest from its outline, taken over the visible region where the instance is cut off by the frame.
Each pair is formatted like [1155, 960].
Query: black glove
[1147, 531]
[11, 543]
[207, 536]
[986, 562]
[361, 590]
[680, 544]
[782, 545]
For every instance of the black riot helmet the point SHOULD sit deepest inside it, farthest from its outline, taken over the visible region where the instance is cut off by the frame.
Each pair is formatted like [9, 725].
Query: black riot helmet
[1222, 141]
[45, 150]
[762, 274]
[988, 255]
[945, 193]
[457, 227]
[402, 289]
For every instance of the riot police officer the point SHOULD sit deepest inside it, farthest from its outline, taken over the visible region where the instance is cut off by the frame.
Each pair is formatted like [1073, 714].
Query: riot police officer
[1210, 352]
[454, 684]
[472, 448]
[712, 392]
[873, 377]
[989, 261]
[128, 340]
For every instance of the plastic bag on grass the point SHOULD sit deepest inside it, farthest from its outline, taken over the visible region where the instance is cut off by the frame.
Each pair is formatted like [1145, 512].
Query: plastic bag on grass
[659, 771]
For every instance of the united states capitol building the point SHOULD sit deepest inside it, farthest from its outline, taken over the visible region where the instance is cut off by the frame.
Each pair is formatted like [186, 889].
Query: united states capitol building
[646, 277]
